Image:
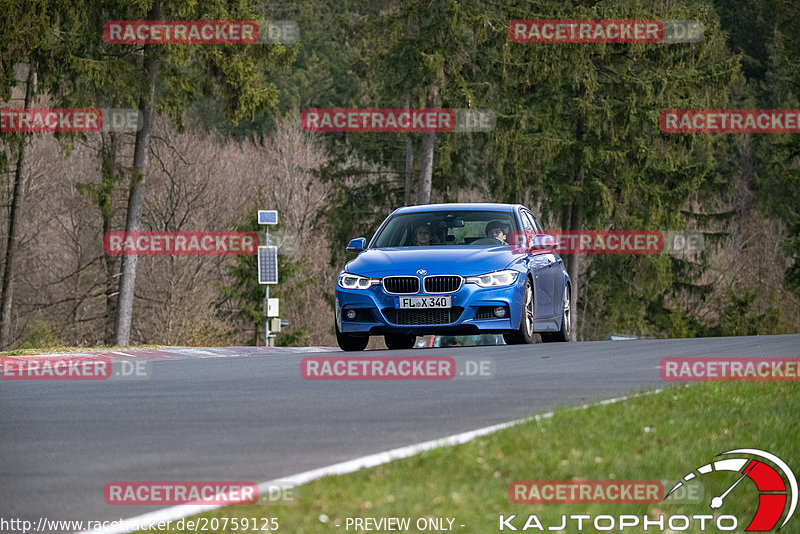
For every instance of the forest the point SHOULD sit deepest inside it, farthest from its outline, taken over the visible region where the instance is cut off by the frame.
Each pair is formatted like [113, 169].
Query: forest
[575, 136]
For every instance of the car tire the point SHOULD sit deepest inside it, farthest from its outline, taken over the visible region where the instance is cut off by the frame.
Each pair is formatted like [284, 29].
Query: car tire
[351, 343]
[562, 335]
[399, 341]
[525, 334]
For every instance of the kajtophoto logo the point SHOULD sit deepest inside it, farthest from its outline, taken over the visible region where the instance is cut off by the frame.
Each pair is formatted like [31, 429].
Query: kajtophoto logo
[771, 484]
[774, 481]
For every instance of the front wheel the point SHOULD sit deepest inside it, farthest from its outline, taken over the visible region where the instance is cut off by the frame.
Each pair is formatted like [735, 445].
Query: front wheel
[350, 343]
[523, 335]
[399, 341]
[566, 322]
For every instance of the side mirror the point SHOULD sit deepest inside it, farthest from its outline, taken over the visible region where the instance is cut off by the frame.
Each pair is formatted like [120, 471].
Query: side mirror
[527, 242]
[543, 242]
[357, 245]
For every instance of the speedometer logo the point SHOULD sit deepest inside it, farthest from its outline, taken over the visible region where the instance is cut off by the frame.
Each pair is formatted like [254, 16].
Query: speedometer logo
[771, 483]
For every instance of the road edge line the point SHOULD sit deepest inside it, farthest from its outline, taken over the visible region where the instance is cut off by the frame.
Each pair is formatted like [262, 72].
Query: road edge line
[181, 511]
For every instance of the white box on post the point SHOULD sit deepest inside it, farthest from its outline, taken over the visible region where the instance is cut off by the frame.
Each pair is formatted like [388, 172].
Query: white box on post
[272, 308]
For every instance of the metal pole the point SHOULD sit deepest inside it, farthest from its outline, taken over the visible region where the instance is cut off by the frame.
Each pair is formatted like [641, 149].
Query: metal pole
[266, 319]
[266, 302]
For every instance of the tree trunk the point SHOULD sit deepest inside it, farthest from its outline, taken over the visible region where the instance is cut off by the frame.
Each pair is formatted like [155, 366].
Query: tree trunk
[17, 201]
[141, 161]
[573, 269]
[572, 220]
[409, 165]
[426, 161]
[108, 179]
[566, 212]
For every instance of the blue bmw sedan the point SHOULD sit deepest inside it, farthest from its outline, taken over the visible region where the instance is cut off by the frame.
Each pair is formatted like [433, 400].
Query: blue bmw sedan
[449, 269]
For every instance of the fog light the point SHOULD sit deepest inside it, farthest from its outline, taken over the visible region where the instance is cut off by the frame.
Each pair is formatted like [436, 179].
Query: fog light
[500, 311]
[350, 314]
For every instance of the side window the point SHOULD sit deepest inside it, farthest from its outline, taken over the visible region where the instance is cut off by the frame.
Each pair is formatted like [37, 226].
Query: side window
[528, 229]
[527, 222]
[538, 225]
[406, 237]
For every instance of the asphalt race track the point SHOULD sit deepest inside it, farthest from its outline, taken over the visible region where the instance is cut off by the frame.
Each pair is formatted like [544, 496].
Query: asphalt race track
[210, 416]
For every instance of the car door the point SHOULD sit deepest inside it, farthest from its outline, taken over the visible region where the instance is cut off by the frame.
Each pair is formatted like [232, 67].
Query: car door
[541, 265]
[556, 265]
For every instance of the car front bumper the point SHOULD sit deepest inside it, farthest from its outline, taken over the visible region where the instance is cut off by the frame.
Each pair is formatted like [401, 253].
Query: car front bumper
[376, 311]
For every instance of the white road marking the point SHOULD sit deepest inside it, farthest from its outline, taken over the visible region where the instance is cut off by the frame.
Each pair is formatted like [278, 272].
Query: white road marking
[174, 513]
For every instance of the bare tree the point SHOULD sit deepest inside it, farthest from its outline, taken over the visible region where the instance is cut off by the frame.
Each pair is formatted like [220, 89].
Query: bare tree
[141, 163]
[426, 159]
[14, 215]
[283, 168]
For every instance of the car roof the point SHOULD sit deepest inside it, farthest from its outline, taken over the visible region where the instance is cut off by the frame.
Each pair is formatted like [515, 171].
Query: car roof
[477, 206]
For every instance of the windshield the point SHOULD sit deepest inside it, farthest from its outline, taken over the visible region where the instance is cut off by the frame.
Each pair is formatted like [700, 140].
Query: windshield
[447, 228]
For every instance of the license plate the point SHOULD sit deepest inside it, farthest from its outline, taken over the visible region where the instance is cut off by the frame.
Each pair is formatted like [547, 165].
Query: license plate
[422, 302]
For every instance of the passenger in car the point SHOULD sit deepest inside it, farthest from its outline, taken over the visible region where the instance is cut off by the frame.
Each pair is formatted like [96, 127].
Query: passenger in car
[498, 230]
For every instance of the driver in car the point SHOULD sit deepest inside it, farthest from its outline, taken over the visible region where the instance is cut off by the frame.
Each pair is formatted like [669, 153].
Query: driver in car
[423, 235]
[498, 230]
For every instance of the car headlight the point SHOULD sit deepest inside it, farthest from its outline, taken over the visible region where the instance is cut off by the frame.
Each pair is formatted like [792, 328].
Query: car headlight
[494, 279]
[353, 281]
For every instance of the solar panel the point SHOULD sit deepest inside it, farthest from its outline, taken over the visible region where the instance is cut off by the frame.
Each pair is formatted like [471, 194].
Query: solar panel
[267, 265]
[267, 217]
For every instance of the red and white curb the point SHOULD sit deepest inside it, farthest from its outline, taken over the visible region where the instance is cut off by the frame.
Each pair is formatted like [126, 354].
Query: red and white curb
[183, 353]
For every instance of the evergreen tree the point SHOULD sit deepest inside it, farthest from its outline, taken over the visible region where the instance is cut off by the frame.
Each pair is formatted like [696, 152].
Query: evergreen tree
[585, 133]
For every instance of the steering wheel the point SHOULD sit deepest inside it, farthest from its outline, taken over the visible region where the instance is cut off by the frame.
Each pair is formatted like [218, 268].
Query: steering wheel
[487, 241]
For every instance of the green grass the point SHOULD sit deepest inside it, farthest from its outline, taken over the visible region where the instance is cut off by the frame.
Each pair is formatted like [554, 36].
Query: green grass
[650, 437]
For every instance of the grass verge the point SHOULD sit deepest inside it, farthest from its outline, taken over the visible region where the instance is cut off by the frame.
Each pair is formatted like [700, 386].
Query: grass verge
[65, 350]
[650, 437]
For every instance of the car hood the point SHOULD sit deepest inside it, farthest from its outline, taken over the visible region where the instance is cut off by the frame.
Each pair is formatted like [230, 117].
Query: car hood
[462, 260]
